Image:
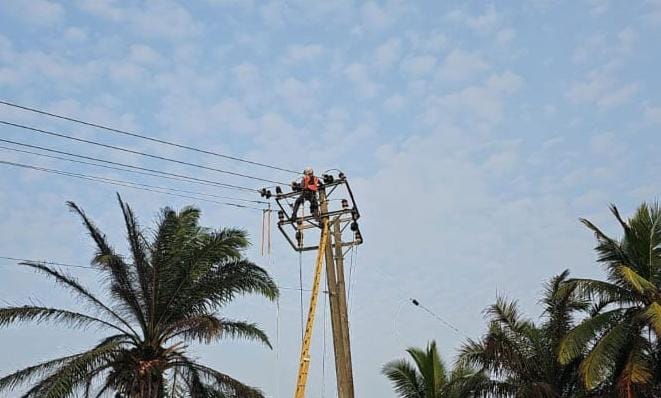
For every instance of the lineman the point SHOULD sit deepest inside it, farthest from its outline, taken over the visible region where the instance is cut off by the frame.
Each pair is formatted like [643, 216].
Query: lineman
[309, 187]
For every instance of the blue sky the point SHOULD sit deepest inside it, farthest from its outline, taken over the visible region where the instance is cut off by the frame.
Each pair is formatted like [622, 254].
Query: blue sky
[475, 135]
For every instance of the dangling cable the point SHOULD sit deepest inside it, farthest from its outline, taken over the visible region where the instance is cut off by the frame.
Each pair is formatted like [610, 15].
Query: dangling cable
[323, 357]
[261, 250]
[277, 346]
[300, 286]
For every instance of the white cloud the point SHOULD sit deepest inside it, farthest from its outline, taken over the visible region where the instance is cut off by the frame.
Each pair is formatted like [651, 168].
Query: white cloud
[480, 106]
[75, 34]
[653, 12]
[601, 89]
[460, 65]
[419, 65]
[298, 96]
[484, 23]
[653, 114]
[610, 46]
[394, 102]
[598, 7]
[37, 12]
[144, 54]
[359, 76]
[374, 16]
[606, 145]
[432, 42]
[271, 14]
[298, 53]
[163, 19]
[387, 54]
[505, 36]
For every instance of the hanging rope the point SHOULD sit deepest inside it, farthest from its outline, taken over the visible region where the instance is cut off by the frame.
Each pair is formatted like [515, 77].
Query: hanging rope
[300, 285]
[277, 346]
[323, 357]
[265, 248]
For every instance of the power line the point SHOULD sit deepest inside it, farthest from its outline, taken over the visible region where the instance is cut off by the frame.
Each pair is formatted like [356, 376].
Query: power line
[134, 152]
[144, 137]
[182, 177]
[67, 265]
[127, 184]
[131, 171]
[432, 313]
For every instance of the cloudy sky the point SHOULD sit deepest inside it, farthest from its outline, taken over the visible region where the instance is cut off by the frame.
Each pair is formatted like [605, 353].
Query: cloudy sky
[475, 135]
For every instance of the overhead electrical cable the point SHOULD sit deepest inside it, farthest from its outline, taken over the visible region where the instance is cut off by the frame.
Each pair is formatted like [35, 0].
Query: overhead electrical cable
[131, 171]
[126, 184]
[134, 152]
[67, 265]
[144, 137]
[165, 173]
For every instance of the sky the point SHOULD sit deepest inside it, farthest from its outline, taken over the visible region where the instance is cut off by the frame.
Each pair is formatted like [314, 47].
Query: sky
[474, 135]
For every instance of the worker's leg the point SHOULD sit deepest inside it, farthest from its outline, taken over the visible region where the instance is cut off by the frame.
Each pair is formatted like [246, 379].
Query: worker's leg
[297, 204]
[314, 205]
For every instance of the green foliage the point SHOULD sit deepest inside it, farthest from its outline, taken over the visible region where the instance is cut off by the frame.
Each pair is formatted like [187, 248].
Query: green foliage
[427, 377]
[519, 355]
[622, 343]
[167, 292]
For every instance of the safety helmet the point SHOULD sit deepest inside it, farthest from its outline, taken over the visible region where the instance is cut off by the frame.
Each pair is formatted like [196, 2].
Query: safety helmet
[308, 171]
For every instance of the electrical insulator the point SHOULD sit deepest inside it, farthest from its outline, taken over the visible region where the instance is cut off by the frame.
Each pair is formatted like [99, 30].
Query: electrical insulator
[278, 190]
[299, 238]
[354, 226]
[354, 215]
[262, 192]
[268, 194]
[328, 179]
[341, 176]
[345, 204]
[357, 237]
[281, 215]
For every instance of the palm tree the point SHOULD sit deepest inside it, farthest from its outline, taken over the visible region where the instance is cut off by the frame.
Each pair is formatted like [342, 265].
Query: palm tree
[428, 377]
[622, 339]
[519, 355]
[165, 294]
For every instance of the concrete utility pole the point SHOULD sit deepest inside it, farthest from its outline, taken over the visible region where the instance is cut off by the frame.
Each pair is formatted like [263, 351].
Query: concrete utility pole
[331, 248]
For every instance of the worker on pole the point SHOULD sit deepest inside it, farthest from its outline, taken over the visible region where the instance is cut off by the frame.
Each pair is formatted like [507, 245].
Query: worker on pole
[309, 186]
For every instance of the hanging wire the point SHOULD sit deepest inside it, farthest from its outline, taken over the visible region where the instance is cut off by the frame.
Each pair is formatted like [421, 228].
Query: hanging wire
[300, 284]
[126, 184]
[144, 137]
[130, 168]
[87, 267]
[323, 357]
[134, 152]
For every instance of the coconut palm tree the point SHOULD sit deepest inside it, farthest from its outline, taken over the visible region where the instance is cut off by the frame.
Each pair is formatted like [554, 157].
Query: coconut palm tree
[623, 338]
[428, 376]
[519, 355]
[165, 294]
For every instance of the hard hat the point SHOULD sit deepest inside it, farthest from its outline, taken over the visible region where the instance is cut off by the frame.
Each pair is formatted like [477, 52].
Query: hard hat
[308, 171]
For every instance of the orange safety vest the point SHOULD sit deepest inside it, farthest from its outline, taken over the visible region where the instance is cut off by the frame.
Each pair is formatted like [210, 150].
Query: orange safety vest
[310, 183]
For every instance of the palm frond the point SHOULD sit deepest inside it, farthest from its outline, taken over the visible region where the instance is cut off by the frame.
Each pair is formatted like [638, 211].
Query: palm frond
[122, 284]
[73, 285]
[576, 341]
[406, 380]
[9, 315]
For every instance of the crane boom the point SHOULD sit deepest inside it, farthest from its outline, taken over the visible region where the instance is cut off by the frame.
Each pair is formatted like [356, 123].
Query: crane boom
[304, 362]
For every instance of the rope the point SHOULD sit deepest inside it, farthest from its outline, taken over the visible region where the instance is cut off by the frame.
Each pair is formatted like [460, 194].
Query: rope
[323, 357]
[300, 283]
